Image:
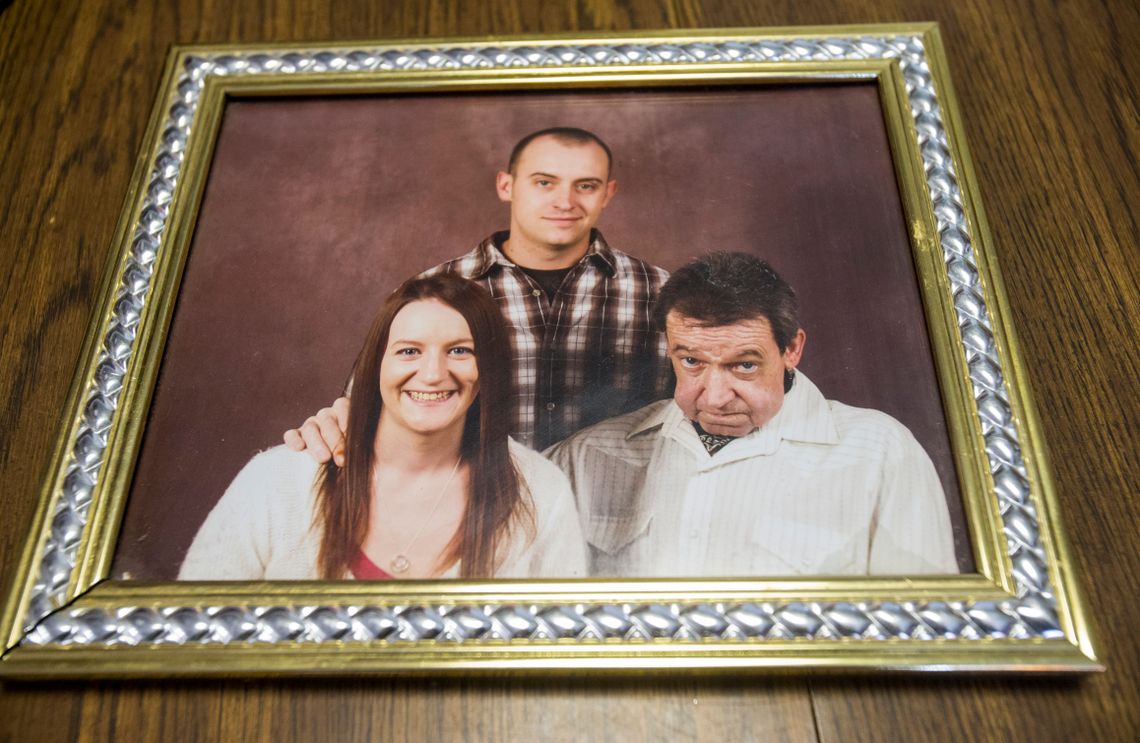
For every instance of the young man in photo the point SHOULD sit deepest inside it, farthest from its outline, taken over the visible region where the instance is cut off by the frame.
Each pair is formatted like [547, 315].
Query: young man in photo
[584, 343]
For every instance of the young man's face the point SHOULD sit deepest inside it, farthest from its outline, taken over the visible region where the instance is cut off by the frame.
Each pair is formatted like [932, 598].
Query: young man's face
[557, 193]
[730, 378]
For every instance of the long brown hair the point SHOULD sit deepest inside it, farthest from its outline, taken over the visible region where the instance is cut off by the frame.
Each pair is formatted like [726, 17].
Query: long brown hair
[495, 498]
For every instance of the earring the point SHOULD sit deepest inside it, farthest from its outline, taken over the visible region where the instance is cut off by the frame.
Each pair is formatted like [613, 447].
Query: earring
[789, 379]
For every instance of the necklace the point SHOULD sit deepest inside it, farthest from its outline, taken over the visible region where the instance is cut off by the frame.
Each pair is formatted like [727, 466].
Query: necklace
[400, 563]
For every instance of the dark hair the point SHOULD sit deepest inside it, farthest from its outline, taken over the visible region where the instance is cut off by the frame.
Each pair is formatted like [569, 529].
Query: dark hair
[566, 135]
[723, 288]
[496, 497]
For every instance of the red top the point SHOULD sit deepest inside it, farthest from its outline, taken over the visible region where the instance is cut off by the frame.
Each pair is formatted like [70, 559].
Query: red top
[364, 569]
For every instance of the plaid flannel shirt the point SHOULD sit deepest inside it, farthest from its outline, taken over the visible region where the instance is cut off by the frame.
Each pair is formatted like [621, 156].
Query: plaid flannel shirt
[590, 353]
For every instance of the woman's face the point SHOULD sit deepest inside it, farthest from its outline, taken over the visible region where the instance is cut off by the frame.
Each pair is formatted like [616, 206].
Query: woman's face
[428, 376]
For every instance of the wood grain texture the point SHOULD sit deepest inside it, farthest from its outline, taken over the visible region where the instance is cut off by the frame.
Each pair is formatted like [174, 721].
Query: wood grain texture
[1048, 97]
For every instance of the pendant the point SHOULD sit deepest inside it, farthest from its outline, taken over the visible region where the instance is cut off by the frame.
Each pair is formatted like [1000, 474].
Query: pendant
[400, 564]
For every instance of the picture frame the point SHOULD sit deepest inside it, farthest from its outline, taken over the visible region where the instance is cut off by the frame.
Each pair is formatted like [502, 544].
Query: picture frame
[75, 613]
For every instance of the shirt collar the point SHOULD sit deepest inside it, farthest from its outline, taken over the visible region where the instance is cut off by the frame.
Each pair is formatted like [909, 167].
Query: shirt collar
[663, 414]
[805, 416]
[601, 253]
[490, 254]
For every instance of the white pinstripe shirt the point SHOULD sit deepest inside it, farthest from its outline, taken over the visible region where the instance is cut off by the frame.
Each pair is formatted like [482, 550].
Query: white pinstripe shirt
[821, 489]
[589, 353]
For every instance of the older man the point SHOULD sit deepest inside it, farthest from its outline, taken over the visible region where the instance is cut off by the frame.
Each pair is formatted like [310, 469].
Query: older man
[748, 470]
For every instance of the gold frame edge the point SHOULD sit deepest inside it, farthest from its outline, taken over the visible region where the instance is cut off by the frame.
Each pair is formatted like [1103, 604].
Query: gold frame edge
[93, 558]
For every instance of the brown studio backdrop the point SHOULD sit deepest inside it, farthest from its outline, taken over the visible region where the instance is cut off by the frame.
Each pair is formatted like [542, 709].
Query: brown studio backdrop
[316, 208]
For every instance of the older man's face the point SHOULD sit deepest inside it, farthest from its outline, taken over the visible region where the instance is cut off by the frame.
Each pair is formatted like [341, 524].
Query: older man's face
[730, 378]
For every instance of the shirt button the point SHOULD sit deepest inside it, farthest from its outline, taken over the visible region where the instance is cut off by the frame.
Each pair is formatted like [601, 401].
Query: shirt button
[536, 293]
[694, 534]
[550, 406]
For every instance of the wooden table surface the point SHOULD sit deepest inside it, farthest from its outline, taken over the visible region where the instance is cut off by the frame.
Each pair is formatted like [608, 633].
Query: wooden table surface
[1048, 93]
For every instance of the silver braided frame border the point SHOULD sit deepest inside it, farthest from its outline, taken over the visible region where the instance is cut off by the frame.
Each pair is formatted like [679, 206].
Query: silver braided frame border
[1030, 614]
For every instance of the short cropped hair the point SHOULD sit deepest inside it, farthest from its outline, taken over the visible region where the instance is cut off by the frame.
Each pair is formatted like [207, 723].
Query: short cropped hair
[566, 135]
[725, 288]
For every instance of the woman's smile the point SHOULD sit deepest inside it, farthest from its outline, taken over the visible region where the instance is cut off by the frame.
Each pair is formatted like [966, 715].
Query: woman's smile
[423, 396]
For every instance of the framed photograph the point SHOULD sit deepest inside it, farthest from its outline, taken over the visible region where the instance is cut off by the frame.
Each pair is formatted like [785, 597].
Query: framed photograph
[511, 236]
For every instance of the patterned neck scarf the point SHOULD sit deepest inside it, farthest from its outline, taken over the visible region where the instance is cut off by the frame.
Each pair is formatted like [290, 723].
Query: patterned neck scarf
[713, 442]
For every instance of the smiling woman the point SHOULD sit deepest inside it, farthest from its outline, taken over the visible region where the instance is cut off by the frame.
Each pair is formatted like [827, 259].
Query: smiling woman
[431, 487]
[430, 377]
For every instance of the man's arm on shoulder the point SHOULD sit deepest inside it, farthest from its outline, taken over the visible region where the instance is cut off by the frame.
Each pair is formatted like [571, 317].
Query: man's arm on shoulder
[322, 434]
